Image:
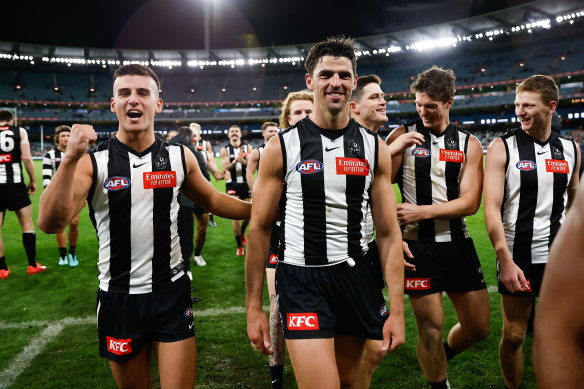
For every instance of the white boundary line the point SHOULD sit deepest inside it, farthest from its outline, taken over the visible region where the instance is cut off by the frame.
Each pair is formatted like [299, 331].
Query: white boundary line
[23, 360]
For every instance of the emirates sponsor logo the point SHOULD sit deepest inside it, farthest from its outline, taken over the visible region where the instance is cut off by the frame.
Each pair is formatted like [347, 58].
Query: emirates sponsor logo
[302, 321]
[417, 283]
[556, 166]
[155, 180]
[352, 166]
[119, 346]
[274, 259]
[452, 155]
[4, 158]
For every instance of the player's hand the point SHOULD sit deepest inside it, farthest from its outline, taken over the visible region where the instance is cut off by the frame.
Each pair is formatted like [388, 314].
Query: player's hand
[409, 213]
[394, 332]
[408, 266]
[512, 277]
[404, 141]
[82, 135]
[258, 331]
[31, 187]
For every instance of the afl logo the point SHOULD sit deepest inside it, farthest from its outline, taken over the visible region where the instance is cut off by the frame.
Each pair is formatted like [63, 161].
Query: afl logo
[189, 312]
[309, 166]
[116, 183]
[421, 152]
[525, 165]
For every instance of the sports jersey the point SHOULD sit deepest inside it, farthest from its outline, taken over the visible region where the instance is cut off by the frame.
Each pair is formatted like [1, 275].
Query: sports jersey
[430, 175]
[133, 206]
[237, 171]
[51, 163]
[202, 147]
[10, 155]
[537, 175]
[327, 175]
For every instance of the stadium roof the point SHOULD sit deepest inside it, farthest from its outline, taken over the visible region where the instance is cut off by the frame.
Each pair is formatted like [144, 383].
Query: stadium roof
[416, 18]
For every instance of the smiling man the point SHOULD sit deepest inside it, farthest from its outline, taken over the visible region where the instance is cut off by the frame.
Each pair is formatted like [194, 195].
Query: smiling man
[321, 173]
[530, 180]
[132, 184]
[440, 178]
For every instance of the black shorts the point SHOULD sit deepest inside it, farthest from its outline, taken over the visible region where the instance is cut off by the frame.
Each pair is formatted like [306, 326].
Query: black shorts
[443, 266]
[199, 210]
[319, 302]
[533, 274]
[13, 197]
[274, 246]
[374, 256]
[127, 322]
[240, 190]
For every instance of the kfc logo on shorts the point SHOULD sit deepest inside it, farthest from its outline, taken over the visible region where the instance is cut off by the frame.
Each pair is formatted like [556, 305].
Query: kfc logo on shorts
[116, 183]
[231, 192]
[274, 259]
[302, 321]
[526, 165]
[420, 152]
[119, 346]
[189, 312]
[556, 166]
[527, 287]
[309, 166]
[417, 283]
[383, 311]
[155, 180]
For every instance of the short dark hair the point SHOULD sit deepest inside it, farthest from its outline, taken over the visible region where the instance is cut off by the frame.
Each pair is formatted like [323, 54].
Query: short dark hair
[544, 85]
[136, 70]
[268, 124]
[436, 82]
[6, 116]
[337, 46]
[362, 82]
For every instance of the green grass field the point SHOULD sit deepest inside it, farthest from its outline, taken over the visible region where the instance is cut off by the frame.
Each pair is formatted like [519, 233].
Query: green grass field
[49, 337]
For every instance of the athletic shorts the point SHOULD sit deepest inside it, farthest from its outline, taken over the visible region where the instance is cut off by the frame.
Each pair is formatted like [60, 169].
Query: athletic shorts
[274, 246]
[374, 256]
[533, 274]
[13, 197]
[197, 210]
[319, 302]
[443, 266]
[240, 190]
[128, 322]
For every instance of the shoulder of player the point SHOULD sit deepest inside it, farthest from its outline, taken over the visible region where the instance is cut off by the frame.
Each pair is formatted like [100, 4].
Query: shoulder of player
[395, 133]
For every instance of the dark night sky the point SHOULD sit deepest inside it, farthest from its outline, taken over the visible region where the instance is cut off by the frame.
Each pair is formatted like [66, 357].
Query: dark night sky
[178, 24]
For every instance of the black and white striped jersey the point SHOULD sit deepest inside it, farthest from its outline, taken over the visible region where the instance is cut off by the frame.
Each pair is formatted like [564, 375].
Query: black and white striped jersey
[10, 155]
[429, 175]
[237, 171]
[133, 206]
[537, 176]
[51, 163]
[202, 147]
[327, 175]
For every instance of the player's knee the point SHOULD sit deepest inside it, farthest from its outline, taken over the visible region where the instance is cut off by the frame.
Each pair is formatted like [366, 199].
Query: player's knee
[513, 337]
[74, 224]
[479, 332]
[202, 233]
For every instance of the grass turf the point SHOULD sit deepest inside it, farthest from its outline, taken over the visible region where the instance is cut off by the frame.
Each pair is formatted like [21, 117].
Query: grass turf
[225, 359]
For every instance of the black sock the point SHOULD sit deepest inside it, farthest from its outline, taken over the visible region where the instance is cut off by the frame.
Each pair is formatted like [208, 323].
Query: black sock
[3, 263]
[244, 226]
[211, 217]
[198, 251]
[450, 352]
[62, 252]
[72, 250]
[29, 242]
[277, 373]
[238, 240]
[440, 385]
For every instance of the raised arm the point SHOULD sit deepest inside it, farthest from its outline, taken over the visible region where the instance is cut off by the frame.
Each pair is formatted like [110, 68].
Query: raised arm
[389, 241]
[198, 189]
[265, 205]
[252, 166]
[510, 274]
[558, 346]
[575, 180]
[66, 194]
[26, 158]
